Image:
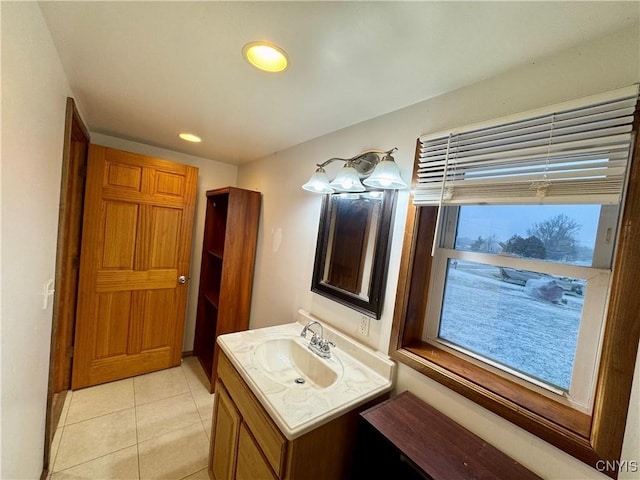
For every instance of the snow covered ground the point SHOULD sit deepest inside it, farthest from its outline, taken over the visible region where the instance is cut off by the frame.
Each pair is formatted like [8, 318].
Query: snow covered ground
[510, 327]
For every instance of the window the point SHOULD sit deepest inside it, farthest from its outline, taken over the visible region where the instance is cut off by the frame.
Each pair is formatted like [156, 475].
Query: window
[542, 330]
[510, 287]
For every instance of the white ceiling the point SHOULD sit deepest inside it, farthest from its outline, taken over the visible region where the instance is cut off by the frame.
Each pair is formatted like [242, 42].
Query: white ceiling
[145, 71]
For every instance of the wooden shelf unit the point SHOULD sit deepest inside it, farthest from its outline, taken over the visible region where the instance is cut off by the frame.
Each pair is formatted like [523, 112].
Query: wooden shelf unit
[226, 271]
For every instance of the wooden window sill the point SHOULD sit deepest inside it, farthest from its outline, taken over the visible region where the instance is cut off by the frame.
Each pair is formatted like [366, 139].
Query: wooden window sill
[530, 410]
[547, 408]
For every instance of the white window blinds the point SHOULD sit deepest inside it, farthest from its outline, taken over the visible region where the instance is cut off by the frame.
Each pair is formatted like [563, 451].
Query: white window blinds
[575, 152]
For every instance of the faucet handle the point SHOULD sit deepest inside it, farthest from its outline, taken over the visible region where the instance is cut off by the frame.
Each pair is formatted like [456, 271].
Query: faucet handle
[325, 345]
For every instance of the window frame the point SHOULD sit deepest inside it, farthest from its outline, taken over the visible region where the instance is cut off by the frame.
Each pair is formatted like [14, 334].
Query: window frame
[592, 438]
[597, 280]
[580, 392]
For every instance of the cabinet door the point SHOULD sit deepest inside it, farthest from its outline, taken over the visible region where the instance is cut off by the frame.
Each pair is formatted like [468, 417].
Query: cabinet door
[251, 462]
[224, 436]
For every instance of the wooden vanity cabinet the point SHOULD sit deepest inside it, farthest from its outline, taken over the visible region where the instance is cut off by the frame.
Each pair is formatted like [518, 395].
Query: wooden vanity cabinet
[226, 271]
[247, 445]
[226, 430]
[251, 463]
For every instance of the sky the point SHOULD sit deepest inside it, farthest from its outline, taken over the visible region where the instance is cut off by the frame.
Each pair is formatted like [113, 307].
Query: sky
[507, 220]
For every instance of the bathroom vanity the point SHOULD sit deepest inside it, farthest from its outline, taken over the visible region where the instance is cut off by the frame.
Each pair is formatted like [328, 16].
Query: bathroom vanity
[283, 412]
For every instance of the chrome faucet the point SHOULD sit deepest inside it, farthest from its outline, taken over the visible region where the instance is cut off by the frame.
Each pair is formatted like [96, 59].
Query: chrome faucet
[308, 326]
[317, 344]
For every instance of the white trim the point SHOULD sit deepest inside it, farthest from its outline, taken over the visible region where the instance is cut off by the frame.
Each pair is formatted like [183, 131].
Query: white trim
[541, 266]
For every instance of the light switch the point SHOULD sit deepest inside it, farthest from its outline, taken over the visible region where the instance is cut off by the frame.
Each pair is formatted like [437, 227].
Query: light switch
[47, 293]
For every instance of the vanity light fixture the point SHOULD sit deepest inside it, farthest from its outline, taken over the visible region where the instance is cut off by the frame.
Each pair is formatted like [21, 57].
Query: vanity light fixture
[190, 137]
[348, 180]
[265, 56]
[376, 167]
[386, 175]
[319, 182]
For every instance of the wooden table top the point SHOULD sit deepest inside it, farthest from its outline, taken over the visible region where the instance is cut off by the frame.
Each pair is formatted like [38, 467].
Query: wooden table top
[437, 445]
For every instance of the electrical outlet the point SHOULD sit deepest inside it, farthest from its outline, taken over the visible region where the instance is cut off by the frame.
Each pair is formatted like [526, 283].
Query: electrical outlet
[363, 326]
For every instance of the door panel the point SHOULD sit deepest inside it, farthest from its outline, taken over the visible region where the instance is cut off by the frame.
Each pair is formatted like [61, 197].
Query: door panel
[137, 231]
[113, 316]
[120, 223]
[251, 462]
[165, 224]
[156, 327]
[224, 436]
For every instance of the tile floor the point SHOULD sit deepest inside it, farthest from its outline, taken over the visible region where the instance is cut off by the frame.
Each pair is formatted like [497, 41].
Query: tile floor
[153, 426]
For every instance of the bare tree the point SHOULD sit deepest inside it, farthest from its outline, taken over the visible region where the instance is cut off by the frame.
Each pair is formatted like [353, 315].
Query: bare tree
[486, 245]
[558, 235]
[492, 244]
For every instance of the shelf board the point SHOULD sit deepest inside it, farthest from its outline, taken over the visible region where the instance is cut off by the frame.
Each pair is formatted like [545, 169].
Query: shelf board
[215, 253]
[213, 298]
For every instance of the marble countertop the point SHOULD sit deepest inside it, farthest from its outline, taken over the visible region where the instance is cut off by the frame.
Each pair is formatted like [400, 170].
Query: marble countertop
[298, 409]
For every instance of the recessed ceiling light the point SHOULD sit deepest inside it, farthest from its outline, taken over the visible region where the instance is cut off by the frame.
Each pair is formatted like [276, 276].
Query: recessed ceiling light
[190, 137]
[265, 56]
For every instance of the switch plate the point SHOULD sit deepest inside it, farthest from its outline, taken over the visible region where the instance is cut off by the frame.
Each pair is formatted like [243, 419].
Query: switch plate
[363, 326]
[47, 293]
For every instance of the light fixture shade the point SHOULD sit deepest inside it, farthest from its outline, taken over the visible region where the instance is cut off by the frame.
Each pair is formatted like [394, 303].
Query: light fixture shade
[189, 137]
[348, 180]
[265, 56]
[386, 175]
[319, 182]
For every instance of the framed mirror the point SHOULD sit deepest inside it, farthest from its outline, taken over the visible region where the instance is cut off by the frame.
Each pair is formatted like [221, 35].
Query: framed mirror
[352, 253]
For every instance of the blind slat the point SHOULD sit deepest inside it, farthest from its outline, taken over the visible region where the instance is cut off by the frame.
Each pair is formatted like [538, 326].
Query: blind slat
[580, 153]
[540, 132]
[605, 138]
[618, 158]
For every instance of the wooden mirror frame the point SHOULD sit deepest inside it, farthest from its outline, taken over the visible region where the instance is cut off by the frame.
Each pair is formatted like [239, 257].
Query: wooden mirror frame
[373, 306]
[595, 439]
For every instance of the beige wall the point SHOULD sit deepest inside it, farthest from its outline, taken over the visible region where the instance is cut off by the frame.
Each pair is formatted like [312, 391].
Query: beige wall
[211, 175]
[290, 219]
[34, 91]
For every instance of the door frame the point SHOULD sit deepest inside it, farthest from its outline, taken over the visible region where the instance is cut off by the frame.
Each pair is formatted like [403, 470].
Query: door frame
[74, 163]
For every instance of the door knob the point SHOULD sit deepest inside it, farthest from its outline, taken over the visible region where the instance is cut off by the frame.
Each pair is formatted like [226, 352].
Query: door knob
[182, 279]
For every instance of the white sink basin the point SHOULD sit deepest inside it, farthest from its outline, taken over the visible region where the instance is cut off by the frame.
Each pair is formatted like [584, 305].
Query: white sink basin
[271, 359]
[287, 360]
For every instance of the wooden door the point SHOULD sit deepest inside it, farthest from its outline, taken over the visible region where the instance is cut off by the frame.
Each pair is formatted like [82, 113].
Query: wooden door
[136, 243]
